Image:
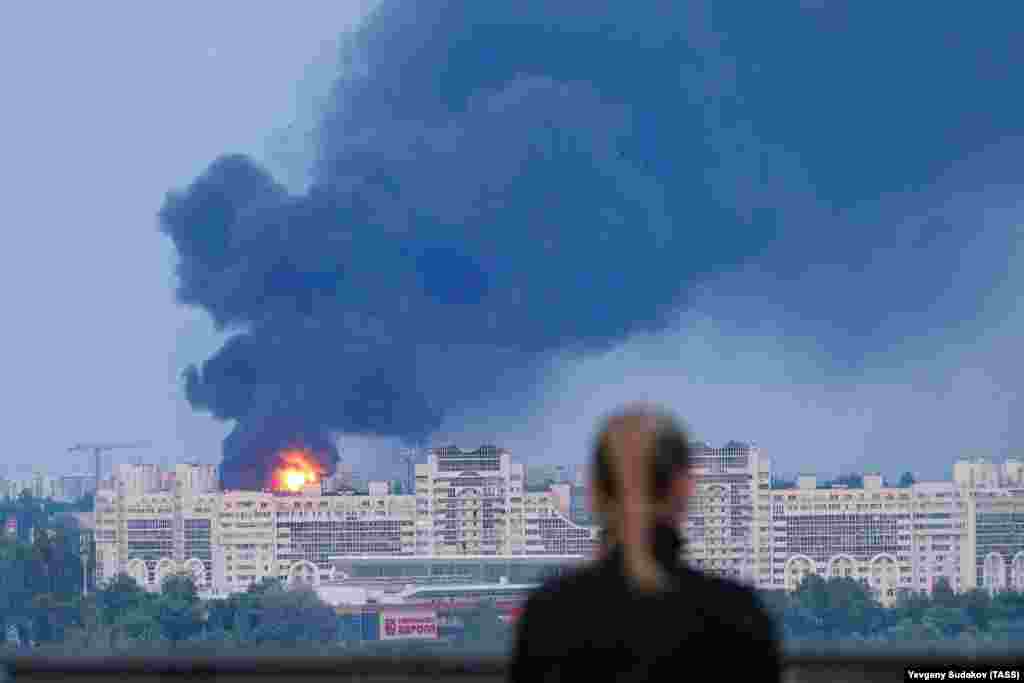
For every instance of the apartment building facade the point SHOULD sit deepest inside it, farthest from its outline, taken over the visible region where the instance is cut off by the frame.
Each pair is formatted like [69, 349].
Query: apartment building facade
[968, 531]
[475, 503]
[726, 528]
[470, 503]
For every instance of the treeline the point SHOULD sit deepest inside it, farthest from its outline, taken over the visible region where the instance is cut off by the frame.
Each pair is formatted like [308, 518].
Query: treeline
[843, 608]
[121, 616]
[40, 575]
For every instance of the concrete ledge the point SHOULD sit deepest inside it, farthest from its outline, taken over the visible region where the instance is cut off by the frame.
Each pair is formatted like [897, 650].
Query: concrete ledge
[827, 663]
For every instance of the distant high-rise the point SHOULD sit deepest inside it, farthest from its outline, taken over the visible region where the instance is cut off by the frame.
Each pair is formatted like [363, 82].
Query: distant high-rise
[137, 479]
[579, 505]
[732, 489]
[480, 504]
[195, 478]
[73, 487]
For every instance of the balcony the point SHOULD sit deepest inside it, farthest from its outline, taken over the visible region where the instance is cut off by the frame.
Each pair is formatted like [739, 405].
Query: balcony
[810, 664]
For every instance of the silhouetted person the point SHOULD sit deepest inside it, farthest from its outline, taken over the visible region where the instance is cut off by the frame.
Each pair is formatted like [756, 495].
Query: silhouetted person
[639, 613]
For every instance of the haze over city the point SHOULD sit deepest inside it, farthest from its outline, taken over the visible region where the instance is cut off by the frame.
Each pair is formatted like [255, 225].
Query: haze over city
[851, 289]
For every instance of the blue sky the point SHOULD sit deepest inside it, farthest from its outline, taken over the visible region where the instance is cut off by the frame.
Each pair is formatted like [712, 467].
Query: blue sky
[840, 188]
[106, 107]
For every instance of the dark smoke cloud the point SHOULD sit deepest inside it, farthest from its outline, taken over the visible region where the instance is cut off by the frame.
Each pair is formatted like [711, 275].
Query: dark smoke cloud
[495, 184]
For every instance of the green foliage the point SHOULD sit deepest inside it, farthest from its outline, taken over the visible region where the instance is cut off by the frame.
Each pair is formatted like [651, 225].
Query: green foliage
[120, 596]
[177, 610]
[943, 594]
[482, 627]
[845, 609]
[290, 617]
[40, 572]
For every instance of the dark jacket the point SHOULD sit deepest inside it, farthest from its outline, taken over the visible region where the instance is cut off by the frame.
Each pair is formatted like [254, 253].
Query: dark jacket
[591, 625]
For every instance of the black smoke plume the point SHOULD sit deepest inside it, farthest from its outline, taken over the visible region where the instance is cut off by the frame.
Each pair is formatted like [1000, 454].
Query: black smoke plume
[486, 193]
[495, 182]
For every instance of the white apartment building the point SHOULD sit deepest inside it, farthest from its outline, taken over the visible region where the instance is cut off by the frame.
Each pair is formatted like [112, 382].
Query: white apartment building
[137, 479]
[842, 532]
[969, 531]
[467, 503]
[477, 503]
[72, 487]
[149, 532]
[996, 526]
[727, 529]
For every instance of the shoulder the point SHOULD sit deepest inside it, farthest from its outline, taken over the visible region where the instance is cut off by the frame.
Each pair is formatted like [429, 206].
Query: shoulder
[562, 600]
[576, 584]
[549, 615]
[738, 605]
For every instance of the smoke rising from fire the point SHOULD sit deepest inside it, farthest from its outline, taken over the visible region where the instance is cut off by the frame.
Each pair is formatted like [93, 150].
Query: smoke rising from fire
[456, 226]
[494, 185]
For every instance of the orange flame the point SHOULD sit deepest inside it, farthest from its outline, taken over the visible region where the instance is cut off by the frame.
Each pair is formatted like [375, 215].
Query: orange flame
[296, 470]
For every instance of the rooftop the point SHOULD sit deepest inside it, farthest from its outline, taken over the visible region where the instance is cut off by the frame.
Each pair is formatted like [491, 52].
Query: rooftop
[449, 559]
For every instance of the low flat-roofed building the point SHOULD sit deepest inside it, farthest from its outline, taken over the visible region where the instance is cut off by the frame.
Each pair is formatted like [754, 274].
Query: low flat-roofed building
[444, 595]
[484, 569]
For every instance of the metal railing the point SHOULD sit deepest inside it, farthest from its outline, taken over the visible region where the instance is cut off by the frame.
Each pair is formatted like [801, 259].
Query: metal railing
[825, 663]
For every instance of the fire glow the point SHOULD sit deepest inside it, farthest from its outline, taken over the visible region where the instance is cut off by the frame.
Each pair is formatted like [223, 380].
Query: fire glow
[295, 471]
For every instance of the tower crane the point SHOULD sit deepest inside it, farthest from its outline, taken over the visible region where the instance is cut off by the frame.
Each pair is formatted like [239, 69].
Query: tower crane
[97, 449]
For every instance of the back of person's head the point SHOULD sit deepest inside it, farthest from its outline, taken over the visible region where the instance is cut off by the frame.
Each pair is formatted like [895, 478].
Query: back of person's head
[640, 482]
[667, 458]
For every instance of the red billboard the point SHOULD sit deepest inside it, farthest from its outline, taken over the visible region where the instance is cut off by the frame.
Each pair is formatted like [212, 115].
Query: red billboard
[420, 624]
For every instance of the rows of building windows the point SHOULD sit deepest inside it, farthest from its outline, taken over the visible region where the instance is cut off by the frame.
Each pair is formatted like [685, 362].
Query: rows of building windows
[969, 530]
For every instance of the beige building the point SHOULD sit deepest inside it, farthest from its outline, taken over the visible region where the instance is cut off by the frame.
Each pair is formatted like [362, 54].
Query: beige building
[150, 533]
[995, 558]
[477, 503]
[727, 530]
[467, 503]
[969, 531]
[863, 533]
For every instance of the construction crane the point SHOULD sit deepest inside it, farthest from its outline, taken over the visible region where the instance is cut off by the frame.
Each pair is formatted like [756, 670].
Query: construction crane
[97, 449]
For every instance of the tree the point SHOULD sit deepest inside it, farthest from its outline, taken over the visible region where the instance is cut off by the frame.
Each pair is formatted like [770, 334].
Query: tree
[911, 607]
[942, 593]
[139, 624]
[906, 480]
[978, 604]
[177, 610]
[44, 628]
[482, 626]
[907, 630]
[293, 616]
[121, 595]
[950, 622]
[837, 607]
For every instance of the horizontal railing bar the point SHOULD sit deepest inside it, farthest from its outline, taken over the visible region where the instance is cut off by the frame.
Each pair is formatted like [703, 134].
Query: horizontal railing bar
[431, 666]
